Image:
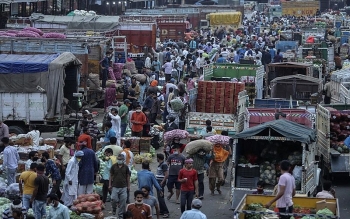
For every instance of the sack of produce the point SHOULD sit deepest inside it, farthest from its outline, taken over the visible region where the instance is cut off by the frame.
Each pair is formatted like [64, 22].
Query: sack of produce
[94, 81]
[138, 159]
[12, 191]
[140, 77]
[88, 203]
[127, 72]
[268, 173]
[54, 35]
[177, 104]
[194, 146]
[176, 133]
[130, 65]
[219, 139]
[111, 83]
[111, 74]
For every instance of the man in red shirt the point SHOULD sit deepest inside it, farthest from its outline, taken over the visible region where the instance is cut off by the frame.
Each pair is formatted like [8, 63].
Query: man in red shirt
[138, 119]
[189, 184]
[138, 209]
[84, 137]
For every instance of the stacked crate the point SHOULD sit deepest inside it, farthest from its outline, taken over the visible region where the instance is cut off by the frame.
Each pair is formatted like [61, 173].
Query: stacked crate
[218, 96]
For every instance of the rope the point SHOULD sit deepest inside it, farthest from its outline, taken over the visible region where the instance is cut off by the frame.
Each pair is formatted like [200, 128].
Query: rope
[285, 214]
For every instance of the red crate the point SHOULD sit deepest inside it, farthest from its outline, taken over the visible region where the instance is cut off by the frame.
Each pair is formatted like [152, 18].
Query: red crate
[211, 84]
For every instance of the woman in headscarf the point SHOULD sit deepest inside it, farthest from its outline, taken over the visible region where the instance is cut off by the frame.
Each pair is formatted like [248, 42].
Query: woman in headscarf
[70, 185]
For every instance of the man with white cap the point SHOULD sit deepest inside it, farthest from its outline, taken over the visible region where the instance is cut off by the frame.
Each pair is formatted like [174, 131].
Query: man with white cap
[70, 185]
[16, 210]
[194, 213]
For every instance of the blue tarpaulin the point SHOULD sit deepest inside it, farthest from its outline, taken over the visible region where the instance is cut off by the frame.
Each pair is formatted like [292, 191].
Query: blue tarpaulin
[10, 63]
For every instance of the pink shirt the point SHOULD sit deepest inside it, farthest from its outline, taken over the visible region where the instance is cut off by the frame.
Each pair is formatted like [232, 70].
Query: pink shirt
[288, 181]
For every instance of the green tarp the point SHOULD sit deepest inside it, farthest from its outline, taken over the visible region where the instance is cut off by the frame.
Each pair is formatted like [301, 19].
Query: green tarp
[288, 129]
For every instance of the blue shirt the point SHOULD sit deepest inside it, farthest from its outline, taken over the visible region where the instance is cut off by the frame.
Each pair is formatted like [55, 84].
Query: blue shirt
[60, 212]
[193, 214]
[87, 167]
[52, 169]
[110, 133]
[221, 60]
[147, 178]
[107, 169]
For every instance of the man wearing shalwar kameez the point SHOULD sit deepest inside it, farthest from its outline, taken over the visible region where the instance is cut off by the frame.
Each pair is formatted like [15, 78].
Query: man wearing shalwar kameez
[87, 169]
[70, 185]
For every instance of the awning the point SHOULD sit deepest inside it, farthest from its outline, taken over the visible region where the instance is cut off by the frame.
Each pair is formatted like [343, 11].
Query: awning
[18, 1]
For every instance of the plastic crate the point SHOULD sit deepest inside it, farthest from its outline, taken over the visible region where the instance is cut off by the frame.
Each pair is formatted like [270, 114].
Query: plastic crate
[246, 182]
[23, 156]
[248, 171]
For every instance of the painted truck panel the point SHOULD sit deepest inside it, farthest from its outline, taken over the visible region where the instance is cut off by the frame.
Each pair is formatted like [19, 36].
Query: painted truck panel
[298, 9]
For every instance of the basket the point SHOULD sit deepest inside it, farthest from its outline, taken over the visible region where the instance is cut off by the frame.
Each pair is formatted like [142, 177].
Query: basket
[23, 155]
[248, 171]
[246, 182]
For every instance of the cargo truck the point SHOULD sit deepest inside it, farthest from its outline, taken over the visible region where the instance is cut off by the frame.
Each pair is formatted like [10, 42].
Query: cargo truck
[300, 8]
[38, 89]
[258, 150]
[223, 19]
[332, 129]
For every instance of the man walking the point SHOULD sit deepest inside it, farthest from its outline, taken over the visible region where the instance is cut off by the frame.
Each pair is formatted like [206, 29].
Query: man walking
[139, 209]
[52, 170]
[87, 170]
[162, 176]
[216, 170]
[175, 162]
[116, 121]
[119, 183]
[189, 184]
[198, 164]
[123, 113]
[138, 119]
[146, 178]
[194, 213]
[109, 160]
[10, 161]
[26, 184]
[70, 185]
[150, 200]
[38, 199]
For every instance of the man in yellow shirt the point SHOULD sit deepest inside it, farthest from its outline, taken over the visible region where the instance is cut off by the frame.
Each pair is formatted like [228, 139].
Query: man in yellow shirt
[26, 180]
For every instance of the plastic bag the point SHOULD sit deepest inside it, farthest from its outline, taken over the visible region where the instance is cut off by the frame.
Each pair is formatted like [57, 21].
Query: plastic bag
[13, 190]
[133, 177]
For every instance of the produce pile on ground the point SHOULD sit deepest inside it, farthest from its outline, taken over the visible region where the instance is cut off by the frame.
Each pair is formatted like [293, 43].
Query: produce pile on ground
[31, 32]
[320, 214]
[89, 203]
[268, 173]
[340, 129]
[254, 207]
[146, 157]
[4, 204]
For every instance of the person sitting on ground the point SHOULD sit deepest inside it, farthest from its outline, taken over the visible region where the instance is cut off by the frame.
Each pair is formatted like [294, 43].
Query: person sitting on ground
[327, 191]
[15, 211]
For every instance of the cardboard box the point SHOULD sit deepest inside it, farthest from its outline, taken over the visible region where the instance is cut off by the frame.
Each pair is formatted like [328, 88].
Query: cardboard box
[332, 206]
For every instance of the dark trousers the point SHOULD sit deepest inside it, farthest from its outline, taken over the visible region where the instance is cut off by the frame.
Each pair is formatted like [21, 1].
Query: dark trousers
[186, 200]
[167, 77]
[200, 184]
[105, 190]
[285, 210]
[327, 100]
[123, 129]
[63, 171]
[163, 209]
[104, 77]
[56, 189]
[154, 118]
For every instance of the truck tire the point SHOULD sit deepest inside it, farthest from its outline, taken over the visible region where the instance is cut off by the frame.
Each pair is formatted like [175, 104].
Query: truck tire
[17, 130]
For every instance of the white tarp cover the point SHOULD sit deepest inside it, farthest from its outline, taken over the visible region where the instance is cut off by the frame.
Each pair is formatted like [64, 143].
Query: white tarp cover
[79, 22]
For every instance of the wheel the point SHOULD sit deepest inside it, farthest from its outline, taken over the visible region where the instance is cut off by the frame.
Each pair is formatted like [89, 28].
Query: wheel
[17, 130]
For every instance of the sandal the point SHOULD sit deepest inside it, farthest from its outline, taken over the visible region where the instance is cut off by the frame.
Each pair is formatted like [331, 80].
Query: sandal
[169, 196]
[166, 216]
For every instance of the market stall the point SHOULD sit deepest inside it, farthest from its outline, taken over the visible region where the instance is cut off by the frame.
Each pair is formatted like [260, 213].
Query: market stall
[259, 150]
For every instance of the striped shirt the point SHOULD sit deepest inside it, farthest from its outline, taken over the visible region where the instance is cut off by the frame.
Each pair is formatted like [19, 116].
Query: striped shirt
[7, 214]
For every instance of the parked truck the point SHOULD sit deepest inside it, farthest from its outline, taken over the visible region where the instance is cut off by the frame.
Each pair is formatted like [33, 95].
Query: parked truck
[332, 129]
[300, 8]
[38, 89]
[223, 19]
[89, 50]
[258, 150]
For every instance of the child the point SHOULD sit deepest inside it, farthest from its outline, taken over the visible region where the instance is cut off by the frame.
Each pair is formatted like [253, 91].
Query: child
[260, 188]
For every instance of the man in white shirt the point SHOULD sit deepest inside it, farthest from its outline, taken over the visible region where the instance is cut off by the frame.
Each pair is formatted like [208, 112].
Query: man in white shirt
[116, 121]
[34, 135]
[10, 161]
[185, 52]
[327, 191]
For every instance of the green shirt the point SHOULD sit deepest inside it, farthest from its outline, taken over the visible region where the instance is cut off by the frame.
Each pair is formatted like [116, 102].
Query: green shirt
[123, 110]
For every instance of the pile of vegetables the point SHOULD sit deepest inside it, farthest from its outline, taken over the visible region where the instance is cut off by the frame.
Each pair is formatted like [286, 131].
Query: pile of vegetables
[324, 212]
[32, 33]
[152, 151]
[295, 158]
[146, 157]
[133, 177]
[268, 173]
[4, 204]
[340, 130]
[89, 203]
[177, 104]
[65, 131]
[254, 207]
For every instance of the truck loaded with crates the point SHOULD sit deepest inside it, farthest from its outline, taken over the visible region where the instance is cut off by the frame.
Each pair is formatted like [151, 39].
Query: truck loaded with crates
[332, 125]
[39, 89]
[267, 136]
